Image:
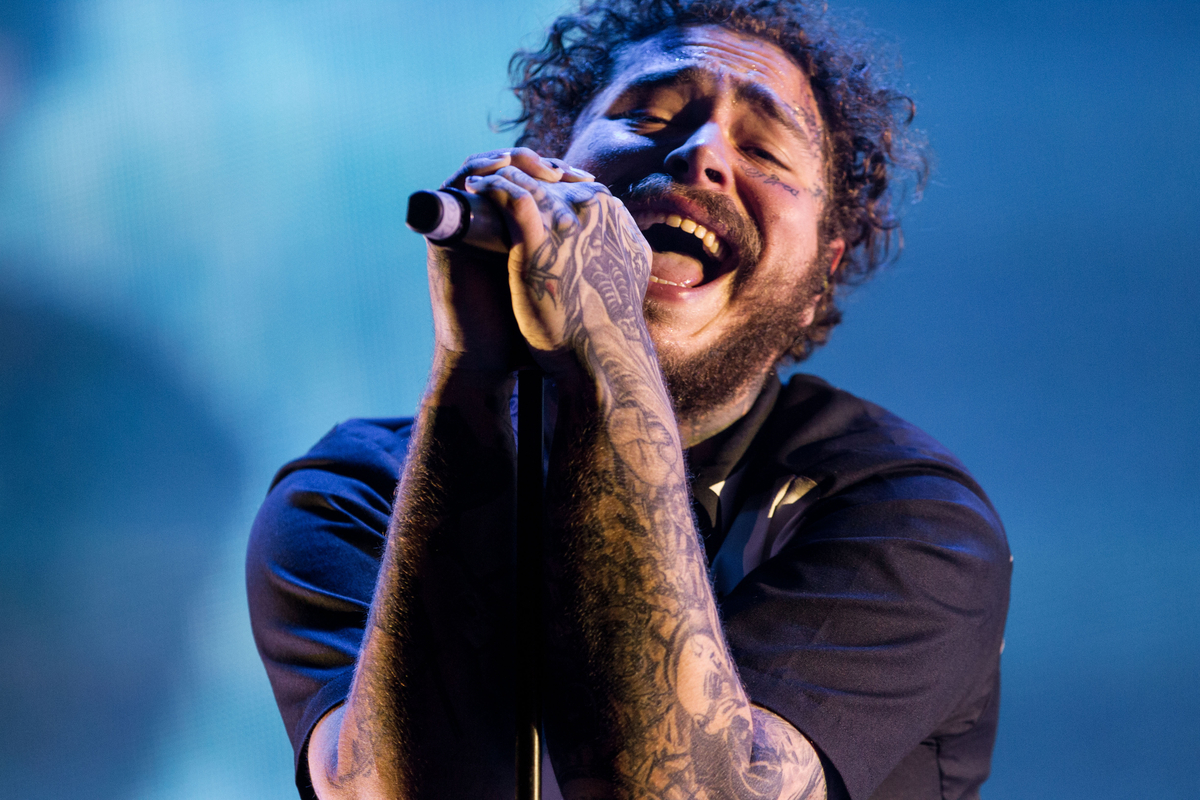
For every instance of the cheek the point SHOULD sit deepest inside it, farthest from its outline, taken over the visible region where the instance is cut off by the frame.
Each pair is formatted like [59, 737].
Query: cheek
[578, 148]
[792, 224]
[610, 153]
[789, 247]
[802, 216]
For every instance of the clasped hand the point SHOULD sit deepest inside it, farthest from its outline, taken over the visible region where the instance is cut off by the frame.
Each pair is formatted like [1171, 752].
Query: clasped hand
[578, 267]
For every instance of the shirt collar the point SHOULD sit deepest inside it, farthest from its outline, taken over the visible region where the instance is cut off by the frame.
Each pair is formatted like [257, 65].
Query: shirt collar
[726, 459]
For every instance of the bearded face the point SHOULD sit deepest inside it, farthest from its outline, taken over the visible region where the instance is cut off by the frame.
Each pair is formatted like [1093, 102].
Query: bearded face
[714, 141]
[775, 316]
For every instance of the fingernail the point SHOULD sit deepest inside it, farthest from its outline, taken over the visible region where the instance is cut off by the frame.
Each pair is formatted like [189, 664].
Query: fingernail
[473, 179]
[582, 174]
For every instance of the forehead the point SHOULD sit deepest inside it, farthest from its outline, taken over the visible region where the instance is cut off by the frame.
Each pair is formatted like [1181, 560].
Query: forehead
[716, 55]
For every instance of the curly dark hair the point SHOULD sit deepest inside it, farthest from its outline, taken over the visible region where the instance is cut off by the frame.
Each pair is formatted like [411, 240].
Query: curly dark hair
[870, 148]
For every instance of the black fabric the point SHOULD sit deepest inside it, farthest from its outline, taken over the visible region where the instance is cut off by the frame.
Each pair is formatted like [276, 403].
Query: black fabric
[723, 459]
[861, 573]
[872, 607]
[314, 552]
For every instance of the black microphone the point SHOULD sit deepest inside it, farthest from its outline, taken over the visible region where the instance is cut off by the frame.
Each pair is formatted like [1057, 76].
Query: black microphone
[450, 217]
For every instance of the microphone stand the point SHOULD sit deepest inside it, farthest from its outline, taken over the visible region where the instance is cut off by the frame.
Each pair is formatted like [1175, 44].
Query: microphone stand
[530, 476]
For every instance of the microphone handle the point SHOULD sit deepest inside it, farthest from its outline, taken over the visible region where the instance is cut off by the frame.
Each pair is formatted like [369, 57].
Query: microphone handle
[451, 217]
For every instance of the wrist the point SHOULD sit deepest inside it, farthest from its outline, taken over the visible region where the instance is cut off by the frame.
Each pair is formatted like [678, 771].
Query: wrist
[457, 380]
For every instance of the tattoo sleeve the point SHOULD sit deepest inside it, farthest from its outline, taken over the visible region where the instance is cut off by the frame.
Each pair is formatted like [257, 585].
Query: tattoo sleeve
[645, 699]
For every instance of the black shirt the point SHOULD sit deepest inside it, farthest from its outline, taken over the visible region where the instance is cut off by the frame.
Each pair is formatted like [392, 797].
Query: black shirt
[862, 577]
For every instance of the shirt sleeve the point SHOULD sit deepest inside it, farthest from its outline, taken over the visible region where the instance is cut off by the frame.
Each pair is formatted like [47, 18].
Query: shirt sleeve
[881, 615]
[313, 557]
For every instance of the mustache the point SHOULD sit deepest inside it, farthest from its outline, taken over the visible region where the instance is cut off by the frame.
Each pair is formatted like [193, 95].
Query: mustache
[741, 233]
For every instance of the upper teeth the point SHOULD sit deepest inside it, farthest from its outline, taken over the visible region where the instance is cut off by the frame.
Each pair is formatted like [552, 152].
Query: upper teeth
[711, 243]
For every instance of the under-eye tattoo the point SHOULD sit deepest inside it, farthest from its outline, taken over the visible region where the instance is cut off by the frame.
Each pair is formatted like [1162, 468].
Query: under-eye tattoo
[539, 280]
[771, 179]
[768, 178]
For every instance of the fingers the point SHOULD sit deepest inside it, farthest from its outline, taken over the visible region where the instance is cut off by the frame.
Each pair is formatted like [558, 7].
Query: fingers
[550, 170]
[572, 174]
[520, 198]
[534, 206]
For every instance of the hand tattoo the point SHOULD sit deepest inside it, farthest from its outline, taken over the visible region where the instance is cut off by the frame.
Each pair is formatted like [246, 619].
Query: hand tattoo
[538, 279]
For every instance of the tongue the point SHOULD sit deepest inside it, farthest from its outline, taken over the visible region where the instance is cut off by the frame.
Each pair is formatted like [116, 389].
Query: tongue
[676, 268]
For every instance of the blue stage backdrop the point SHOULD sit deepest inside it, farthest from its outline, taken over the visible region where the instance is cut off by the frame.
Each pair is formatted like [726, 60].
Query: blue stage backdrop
[203, 268]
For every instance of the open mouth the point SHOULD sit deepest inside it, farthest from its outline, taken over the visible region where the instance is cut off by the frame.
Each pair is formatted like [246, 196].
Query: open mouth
[698, 255]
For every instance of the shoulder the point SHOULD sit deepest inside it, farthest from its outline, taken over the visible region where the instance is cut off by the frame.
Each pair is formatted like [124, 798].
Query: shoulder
[322, 526]
[823, 431]
[345, 482]
[828, 467]
[864, 561]
[853, 449]
[369, 450]
[312, 560]
[348, 477]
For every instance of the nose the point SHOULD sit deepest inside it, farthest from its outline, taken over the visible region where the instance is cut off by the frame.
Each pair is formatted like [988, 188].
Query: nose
[702, 160]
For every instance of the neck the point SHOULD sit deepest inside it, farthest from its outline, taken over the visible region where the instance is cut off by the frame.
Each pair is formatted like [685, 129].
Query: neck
[703, 424]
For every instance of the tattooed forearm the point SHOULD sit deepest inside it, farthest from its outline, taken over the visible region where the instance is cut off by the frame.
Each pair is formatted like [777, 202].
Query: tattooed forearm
[645, 700]
[442, 598]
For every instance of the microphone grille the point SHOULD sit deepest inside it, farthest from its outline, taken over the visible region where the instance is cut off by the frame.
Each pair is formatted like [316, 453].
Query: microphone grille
[424, 212]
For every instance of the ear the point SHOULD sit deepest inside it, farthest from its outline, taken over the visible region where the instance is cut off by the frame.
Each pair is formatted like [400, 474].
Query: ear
[836, 249]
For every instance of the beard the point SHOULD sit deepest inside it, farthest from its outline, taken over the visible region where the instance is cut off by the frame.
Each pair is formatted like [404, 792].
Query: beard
[700, 383]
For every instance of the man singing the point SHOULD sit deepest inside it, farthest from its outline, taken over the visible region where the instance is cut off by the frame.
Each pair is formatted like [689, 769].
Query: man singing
[753, 590]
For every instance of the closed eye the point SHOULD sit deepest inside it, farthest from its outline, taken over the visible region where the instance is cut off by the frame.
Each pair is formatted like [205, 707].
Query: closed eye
[765, 155]
[640, 118]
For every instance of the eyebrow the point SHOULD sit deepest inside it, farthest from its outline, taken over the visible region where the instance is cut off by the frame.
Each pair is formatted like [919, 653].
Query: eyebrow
[769, 104]
[763, 99]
